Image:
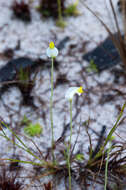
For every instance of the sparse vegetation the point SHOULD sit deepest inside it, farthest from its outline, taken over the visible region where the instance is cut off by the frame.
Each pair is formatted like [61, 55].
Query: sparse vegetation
[63, 159]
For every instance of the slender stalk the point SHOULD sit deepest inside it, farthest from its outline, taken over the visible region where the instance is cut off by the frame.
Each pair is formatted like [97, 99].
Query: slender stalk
[51, 109]
[69, 147]
[22, 161]
[70, 122]
[106, 168]
[60, 22]
[59, 10]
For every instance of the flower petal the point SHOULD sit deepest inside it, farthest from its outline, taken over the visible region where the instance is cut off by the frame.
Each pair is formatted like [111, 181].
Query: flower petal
[72, 91]
[52, 52]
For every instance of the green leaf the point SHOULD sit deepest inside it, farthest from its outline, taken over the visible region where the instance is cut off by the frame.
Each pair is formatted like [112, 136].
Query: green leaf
[79, 157]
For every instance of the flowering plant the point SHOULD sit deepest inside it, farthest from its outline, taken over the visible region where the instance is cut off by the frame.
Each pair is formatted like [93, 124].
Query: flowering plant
[52, 51]
[72, 91]
[69, 96]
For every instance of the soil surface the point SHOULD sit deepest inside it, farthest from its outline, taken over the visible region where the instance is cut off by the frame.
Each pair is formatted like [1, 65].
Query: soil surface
[105, 90]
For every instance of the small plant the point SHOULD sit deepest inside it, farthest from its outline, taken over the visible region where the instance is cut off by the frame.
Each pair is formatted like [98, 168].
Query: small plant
[33, 129]
[21, 11]
[92, 67]
[69, 96]
[72, 10]
[52, 52]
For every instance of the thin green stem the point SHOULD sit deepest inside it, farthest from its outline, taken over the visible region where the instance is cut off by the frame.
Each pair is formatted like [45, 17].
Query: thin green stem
[70, 122]
[106, 168]
[51, 109]
[59, 10]
[22, 161]
[69, 147]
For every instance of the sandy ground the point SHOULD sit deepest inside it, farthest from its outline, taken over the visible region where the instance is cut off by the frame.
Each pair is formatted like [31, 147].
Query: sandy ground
[34, 39]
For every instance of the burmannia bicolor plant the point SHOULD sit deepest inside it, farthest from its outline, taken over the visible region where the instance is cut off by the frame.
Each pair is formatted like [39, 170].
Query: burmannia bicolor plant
[52, 52]
[69, 96]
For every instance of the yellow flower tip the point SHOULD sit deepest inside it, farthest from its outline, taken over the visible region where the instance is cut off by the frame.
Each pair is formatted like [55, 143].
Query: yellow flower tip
[51, 45]
[72, 91]
[52, 51]
[80, 90]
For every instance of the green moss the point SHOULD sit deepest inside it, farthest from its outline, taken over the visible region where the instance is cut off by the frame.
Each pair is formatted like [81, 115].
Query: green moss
[92, 67]
[33, 129]
[71, 10]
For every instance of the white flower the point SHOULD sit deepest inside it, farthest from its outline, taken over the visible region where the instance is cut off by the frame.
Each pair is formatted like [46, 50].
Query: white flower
[72, 91]
[52, 51]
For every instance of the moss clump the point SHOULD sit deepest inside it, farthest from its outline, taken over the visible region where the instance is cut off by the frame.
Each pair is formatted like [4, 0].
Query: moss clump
[92, 67]
[72, 10]
[33, 129]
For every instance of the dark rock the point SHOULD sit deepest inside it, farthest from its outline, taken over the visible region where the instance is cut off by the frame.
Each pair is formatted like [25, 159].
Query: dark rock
[104, 56]
[100, 141]
[8, 72]
[63, 42]
[107, 98]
